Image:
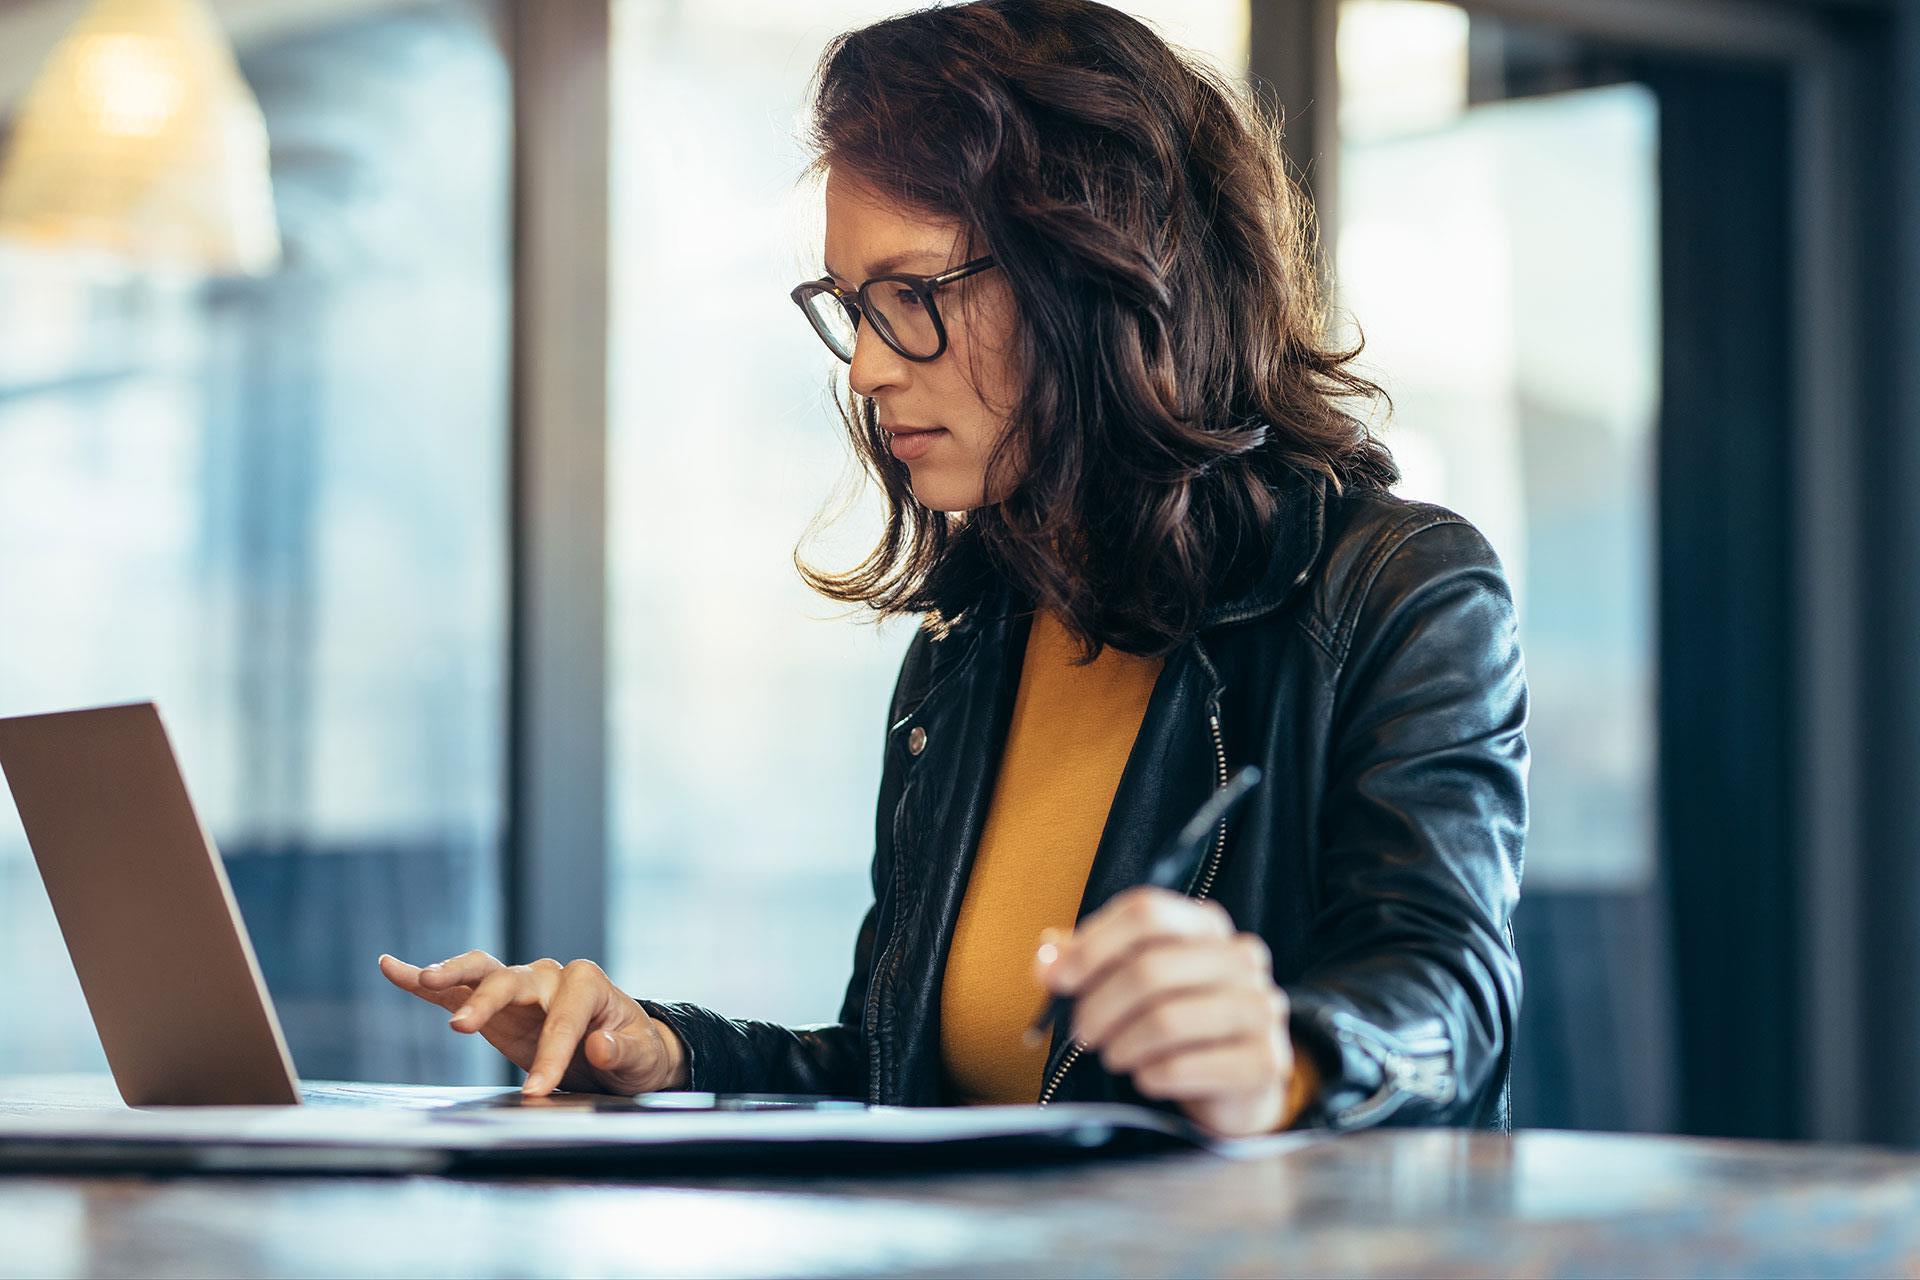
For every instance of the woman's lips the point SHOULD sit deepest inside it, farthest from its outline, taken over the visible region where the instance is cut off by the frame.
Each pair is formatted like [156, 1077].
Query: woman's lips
[908, 445]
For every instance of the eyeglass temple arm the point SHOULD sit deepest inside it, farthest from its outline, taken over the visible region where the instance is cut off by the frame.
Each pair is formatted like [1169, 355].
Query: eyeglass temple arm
[960, 272]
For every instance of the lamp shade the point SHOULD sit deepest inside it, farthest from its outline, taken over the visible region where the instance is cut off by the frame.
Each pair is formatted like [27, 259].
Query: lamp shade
[139, 137]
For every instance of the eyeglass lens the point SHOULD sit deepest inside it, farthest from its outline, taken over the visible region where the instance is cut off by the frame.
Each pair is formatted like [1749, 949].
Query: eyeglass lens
[895, 309]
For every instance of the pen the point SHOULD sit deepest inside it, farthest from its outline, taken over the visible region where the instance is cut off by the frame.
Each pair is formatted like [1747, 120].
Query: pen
[1177, 862]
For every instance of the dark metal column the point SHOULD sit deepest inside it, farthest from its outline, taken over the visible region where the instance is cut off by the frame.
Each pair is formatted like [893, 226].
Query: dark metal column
[1290, 59]
[557, 825]
[1889, 1026]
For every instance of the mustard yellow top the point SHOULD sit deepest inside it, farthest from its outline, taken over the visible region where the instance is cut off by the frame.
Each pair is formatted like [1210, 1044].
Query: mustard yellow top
[1071, 732]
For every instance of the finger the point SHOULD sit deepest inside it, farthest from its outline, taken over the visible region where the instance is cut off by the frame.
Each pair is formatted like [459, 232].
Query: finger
[517, 985]
[577, 1001]
[1148, 977]
[459, 971]
[399, 972]
[1131, 920]
[407, 977]
[1237, 1067]
[1183, 1022]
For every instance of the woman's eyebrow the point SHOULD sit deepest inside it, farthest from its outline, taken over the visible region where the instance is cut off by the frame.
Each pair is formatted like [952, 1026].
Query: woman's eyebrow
[892, 262]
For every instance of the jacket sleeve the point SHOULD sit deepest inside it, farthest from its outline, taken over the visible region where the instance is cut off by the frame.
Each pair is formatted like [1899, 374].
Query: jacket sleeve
[738, 1055]
[1409, 1003]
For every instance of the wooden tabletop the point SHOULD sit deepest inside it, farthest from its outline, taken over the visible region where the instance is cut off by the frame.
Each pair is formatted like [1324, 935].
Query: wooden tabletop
[1408, 1202]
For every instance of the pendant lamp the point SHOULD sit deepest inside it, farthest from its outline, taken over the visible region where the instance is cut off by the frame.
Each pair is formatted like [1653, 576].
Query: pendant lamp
[140, 138]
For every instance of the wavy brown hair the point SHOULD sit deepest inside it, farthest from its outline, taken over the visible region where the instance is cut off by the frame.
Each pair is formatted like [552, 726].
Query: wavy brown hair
[1169, 332]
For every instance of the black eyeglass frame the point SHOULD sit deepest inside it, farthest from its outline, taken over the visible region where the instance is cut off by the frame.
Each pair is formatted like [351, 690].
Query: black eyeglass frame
[923, 287]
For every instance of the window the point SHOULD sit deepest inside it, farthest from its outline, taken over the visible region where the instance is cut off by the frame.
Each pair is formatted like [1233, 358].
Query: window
[277, 508]
[1500, 257]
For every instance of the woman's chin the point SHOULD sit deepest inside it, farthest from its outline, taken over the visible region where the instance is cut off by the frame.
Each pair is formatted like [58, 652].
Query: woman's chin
[938, 493]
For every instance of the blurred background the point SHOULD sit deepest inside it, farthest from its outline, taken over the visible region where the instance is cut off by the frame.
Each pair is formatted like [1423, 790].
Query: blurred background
[444, 493]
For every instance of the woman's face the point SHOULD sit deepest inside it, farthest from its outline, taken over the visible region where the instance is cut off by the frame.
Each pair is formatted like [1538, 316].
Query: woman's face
[967, 393]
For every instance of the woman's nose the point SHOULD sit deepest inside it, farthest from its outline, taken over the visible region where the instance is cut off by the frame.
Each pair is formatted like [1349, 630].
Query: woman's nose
[875, 365]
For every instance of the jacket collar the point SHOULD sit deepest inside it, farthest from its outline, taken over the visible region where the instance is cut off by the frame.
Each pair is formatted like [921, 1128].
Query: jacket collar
[1294, 547]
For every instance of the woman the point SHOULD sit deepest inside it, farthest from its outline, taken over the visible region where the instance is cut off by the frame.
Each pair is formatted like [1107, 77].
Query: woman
[1072, 285]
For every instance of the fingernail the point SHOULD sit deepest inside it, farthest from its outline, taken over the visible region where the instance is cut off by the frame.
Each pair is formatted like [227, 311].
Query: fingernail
[464, 1010]
[534, 1083]
[430, 968]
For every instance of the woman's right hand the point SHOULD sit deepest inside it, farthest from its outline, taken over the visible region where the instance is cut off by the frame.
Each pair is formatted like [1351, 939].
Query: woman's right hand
[567, 1026]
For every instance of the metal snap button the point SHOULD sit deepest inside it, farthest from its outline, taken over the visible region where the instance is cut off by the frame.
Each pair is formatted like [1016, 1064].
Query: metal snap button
[916, 740]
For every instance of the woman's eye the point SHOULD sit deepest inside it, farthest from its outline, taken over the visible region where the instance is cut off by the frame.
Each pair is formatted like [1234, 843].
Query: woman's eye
[907, 297]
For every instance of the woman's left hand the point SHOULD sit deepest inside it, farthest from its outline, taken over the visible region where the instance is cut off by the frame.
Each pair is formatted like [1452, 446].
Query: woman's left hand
[1167, 991]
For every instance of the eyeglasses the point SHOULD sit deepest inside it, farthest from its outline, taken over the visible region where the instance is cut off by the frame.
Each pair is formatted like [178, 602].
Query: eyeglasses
[900, 308]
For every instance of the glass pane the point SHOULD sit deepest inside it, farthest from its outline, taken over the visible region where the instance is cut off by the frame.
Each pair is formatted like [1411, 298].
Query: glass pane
[277, 509]
[747, 717]
[1502, 262]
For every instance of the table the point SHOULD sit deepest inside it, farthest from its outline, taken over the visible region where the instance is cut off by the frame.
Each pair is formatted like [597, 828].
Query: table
[1385, 1202]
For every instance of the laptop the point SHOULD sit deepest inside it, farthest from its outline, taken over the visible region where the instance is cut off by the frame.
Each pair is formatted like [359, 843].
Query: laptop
[149, 918]
[158, 942]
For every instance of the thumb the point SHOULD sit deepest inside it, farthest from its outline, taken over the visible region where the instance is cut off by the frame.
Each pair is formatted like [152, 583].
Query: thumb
[628, 1056]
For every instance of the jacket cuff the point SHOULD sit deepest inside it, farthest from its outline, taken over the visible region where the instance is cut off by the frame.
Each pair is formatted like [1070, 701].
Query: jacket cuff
[700, 1050]
[1367, 1072]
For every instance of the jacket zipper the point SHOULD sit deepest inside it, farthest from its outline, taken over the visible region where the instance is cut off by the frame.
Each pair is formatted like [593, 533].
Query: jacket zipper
[1418, 1068]
[1205, 878]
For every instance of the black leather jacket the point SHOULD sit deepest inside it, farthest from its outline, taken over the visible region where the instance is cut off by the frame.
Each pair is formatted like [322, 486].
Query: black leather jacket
[1374, 674]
